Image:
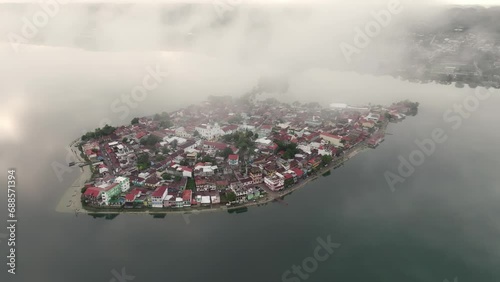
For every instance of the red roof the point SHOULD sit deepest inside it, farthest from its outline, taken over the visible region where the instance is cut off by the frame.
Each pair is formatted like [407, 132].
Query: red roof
[234, 157]
[158, 193]
[135, 191]
[331, 135]
[130, 197]
[187, 195]
[230, 128]
[288, 176]
[185, 168]
[92, 192]
[140, 134]
[298, 171]
[216, 145]
[110, 187]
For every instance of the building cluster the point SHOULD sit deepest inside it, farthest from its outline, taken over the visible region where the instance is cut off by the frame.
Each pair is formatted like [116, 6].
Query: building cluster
[457, 54]
[226, 152]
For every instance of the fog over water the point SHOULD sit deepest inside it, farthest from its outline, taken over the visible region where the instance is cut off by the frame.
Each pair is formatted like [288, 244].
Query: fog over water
[441, 223]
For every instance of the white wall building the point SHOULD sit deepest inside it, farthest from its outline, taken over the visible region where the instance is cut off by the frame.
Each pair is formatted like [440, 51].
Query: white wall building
[210, 132]
[124, 183]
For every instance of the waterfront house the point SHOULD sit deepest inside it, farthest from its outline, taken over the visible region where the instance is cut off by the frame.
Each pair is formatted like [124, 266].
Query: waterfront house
[333, 139]
[187, 197]
[158, 196]
[110, 192]
[275, 181]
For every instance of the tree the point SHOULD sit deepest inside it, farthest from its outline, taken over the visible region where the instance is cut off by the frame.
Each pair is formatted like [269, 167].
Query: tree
[99, 132]
[166, 176]
[135, 121]
[143, 161]
[231, 196]
[125, 140]
[226, 152]
[326, 160]
[159, 158]
[151, 140]
[165, 150]
[174, 144]
[196, 133]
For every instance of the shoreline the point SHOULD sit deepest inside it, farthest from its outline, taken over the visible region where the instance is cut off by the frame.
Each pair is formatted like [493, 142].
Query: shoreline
[71, 203]
[75, 205]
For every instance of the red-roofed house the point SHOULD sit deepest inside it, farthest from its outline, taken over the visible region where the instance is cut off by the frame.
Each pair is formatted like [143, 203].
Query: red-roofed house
[140, 134]
[130, 197]
[187, 197]
[214, 145]
[92, 192]
[233, 159]
[333, 139]
[158, 196]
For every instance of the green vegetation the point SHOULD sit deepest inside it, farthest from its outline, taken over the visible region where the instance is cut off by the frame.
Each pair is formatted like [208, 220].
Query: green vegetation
[191, 185]
[174, 144]
[164, 119]
[412, 105]
[208, 159]
[226, 152]
[166, 176]
[289, 148]
[326, 160]
[243, 140]
[83, 189]
[151, 140]
[230, 196]
[99, 132]
[135, 121]
[159, 158]
[125, 140]
[143, 161]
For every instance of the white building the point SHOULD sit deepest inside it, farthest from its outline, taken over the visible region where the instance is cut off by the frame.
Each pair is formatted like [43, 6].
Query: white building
[210, 132]
[124, 183]
[275, 182]
[180, 140]
[181, 132]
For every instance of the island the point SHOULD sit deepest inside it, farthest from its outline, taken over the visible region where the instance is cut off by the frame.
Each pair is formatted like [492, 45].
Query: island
[222, 154]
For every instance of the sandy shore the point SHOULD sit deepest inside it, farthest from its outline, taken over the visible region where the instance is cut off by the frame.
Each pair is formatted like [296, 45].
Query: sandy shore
[70, 201]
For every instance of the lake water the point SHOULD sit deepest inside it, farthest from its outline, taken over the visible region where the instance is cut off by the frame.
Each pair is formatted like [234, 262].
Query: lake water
[441, 223]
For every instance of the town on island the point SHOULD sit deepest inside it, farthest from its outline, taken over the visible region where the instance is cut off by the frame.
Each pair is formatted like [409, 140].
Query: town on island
[224, 153]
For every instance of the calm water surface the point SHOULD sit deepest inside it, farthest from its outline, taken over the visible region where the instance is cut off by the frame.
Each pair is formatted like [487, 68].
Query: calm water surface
[442, 222]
